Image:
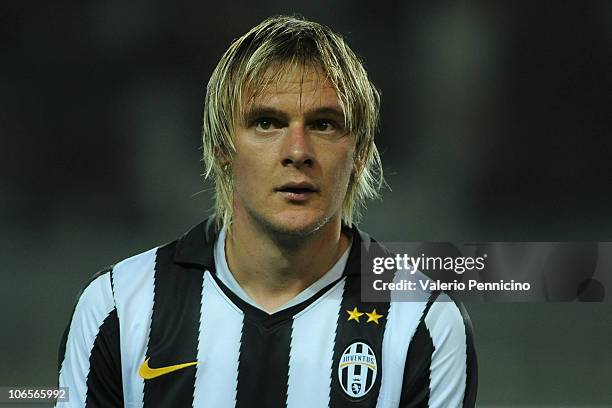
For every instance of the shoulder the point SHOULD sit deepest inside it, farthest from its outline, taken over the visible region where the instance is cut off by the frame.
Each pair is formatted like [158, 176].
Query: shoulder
[195, 247]
[96, 297]
[134, 266]
[441, 364]
[436, 309]
[441, 320]
[446, 316]
[94, 306]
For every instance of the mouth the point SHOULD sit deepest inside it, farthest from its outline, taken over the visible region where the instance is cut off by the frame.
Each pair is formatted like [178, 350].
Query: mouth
[297, 192]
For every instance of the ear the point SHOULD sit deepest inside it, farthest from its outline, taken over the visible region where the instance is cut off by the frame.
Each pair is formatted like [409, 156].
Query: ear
[226, 167]
[222, 158]
[359, 163]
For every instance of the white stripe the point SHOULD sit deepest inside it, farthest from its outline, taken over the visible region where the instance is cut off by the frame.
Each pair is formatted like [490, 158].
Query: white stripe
[311, 357]
[133, 283]
[402, 321]
[448, 362]
[93, 307]
[218, 348]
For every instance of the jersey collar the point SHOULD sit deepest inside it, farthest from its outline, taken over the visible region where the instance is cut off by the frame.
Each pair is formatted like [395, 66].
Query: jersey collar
[196, 247]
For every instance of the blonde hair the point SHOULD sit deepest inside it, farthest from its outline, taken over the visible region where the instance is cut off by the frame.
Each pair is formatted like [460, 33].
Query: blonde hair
[283, 43]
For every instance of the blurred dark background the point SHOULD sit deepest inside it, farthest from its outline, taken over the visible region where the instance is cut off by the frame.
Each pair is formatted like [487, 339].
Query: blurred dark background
[496, 125]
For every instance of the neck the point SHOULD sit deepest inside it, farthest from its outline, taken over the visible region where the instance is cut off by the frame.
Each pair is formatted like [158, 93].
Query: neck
[273, 268]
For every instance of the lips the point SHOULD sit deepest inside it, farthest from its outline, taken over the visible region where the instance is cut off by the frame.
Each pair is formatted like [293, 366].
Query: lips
[298, 191]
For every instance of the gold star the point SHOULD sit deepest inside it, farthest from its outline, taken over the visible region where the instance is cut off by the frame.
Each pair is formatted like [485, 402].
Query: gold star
[373, 317]
[354, 314]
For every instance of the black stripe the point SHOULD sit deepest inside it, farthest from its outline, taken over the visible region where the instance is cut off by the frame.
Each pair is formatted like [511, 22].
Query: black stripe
[415, 391]
[263, 366]
[112, 282]
[369, 377]
[104, 385]
[62, 347]
[175, 325]
[471, 386]
[417, 371]
[432, 298]
[348, 332]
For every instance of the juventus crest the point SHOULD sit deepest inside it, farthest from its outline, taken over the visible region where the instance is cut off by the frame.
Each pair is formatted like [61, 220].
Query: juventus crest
[357, 369]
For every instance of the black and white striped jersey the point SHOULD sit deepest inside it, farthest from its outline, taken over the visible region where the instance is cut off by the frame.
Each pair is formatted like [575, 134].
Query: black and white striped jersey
[161, 329]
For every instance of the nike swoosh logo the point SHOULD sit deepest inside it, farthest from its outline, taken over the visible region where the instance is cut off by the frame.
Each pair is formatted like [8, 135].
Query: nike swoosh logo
[148, 373]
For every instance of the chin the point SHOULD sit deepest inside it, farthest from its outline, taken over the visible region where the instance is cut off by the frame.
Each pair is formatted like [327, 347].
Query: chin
[299, 225]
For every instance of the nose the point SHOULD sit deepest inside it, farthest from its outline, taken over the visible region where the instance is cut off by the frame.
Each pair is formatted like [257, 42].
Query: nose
[297, 147]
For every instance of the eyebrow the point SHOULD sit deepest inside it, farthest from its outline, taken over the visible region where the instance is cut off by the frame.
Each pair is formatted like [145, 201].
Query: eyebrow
[255, 112]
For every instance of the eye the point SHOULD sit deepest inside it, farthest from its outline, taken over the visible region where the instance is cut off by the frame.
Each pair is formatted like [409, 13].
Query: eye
[264, 124]
[324, 125]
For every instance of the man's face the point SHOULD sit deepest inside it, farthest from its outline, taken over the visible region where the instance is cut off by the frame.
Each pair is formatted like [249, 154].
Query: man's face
[294, 158]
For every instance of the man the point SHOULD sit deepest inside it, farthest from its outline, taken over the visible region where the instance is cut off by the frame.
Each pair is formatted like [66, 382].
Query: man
[260, 305]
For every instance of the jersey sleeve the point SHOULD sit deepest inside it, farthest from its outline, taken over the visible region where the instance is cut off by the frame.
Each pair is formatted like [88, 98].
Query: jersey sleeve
[441, 366]
[89, 354]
